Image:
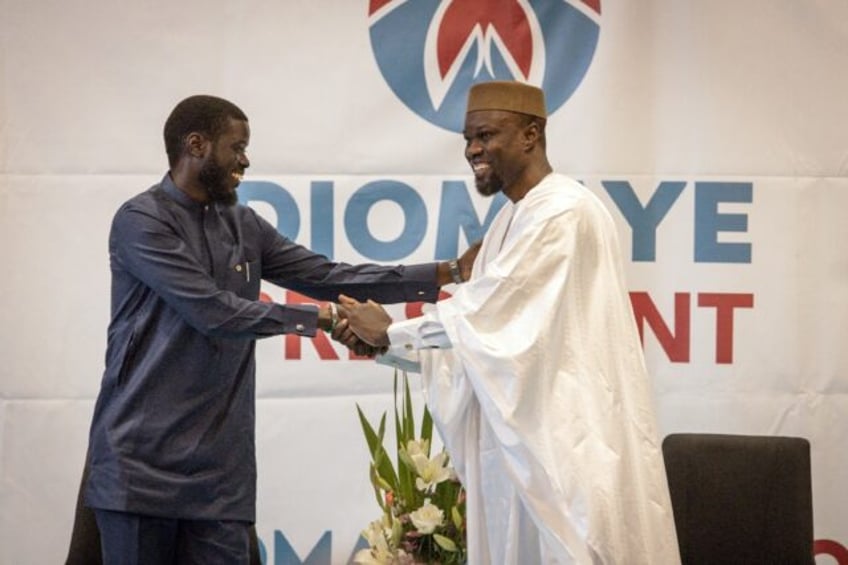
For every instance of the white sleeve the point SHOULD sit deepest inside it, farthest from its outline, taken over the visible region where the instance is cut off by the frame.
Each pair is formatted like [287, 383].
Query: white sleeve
[408, 336]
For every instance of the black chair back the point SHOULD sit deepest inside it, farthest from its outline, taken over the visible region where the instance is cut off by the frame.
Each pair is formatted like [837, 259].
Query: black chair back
[741, 499]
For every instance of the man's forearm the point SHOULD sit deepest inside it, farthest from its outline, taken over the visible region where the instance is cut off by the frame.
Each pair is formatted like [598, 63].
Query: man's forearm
[457, 270]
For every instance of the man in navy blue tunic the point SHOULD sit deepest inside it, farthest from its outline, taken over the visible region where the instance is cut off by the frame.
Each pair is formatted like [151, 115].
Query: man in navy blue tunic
[172, 466]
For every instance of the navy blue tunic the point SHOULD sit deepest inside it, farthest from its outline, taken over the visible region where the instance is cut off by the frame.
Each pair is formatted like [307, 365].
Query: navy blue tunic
[173, 428]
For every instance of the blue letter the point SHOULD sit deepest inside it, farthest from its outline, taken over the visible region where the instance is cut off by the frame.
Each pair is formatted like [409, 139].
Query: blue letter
[414, 220]
[456, 211]
[322, 217]
[288, 217]
[644, 221]
[284, 553]
[708, 222]
[361, 543]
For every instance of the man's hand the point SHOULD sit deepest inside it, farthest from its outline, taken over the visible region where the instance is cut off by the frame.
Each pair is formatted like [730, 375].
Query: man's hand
[344, 335]
[368, 320]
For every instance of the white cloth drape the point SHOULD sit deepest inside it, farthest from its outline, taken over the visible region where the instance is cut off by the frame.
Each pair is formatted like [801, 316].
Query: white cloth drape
[534, 374]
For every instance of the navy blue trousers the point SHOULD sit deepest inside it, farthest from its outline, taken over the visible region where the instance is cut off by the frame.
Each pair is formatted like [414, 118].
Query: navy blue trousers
[132, 539]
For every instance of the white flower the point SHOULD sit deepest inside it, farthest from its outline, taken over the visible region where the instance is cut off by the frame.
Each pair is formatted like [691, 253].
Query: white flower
[427, 518]
[365, 557]
[430, 471]
[417, 447]
[377, 535]
[372, 557]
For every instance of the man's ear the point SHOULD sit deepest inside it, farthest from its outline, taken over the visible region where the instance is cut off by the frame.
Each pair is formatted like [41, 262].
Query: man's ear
[532, 132]
[197, 145]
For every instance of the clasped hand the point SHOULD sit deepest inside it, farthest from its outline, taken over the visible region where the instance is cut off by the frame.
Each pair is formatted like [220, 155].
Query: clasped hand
[362, 326]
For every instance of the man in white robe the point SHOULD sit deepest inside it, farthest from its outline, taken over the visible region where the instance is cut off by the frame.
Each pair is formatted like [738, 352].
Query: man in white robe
[533, 369]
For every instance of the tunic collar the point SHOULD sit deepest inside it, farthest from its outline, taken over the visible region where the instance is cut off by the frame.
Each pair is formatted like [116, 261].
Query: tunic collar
[174, 192]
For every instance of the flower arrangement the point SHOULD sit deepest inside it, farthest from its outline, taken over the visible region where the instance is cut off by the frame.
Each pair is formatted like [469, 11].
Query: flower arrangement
[422, 500]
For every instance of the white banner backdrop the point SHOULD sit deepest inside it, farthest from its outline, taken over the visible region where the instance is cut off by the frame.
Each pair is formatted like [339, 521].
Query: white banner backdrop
[714, 131]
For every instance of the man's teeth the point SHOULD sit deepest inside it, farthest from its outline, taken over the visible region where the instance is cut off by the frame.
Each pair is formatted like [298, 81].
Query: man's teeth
[477, 167]
[237, 175]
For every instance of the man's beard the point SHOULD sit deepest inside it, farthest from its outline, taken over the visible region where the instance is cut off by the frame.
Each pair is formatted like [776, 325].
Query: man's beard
[216, 180]
[490, 186]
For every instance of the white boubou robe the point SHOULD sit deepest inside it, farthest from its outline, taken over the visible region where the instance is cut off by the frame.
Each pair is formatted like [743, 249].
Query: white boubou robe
[534, 374]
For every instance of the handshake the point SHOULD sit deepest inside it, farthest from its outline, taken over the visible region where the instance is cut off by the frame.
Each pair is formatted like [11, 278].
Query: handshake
[363, 326]
[360, 326]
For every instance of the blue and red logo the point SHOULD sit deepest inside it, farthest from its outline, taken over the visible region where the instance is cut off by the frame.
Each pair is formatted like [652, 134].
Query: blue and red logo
[431, 51]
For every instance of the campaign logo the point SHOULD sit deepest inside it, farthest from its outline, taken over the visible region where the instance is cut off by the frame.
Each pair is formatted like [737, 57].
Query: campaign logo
[431, 51]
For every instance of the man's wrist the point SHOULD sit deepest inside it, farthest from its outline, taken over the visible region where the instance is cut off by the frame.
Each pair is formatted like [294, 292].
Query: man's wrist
[455, 273]
[334, 317]
[328, 317]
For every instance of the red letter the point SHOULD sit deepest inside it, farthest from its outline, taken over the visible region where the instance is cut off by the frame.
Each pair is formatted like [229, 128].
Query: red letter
[724, 304]
[676, 346]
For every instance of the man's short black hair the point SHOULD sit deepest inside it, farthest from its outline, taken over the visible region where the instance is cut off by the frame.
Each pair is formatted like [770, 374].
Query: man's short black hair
[201, 113]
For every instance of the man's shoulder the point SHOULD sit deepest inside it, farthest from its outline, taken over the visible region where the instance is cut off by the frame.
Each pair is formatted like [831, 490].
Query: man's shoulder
[558, 192]
[561, 196]
[145, 199]
[557, 183]
[148, 208]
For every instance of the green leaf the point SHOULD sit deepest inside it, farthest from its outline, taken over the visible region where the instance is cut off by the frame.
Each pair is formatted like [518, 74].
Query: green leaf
[427, 428]
[408, 416]
[406, 486]
[457, 517]
[397, 532]
[384, 485]
[370, 435]
[374, 483]
[445, 495]
[403, 433]
[445, 543]
[378, 453]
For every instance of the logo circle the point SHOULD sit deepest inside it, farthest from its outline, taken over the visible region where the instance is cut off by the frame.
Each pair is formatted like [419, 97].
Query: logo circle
[430, 52]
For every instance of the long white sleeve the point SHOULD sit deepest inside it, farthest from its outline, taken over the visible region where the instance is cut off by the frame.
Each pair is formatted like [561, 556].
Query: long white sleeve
[408, 336]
